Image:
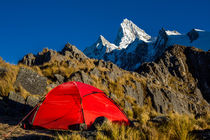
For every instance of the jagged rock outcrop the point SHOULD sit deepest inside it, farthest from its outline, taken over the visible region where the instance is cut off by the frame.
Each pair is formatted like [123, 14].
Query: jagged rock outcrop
[198, 62]
[173, 82]
[72, 52]
[48, 55]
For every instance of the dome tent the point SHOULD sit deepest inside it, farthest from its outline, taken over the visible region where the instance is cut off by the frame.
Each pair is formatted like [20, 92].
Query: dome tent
[72, 104]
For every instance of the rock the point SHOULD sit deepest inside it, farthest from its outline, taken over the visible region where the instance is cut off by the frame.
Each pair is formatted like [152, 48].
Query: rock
[172, 80]
[73, 52]
[136, 93]
[31, 81]
[81, 77]
[114, 72]
[132, 60]
[52, 56]
[127, 105]
[3, 71]
[59, 78]
[193, 35]
[100, 63]
[111, 75]
[199, 65]
[32, 101]
[165, 101]
[45, 56]
[29, 59]
[89, 135]
[201, 134]
[160, 119]
[51, 86]
[95, 72]
[69, 63]
[201, 115]
[140, 93]
[17, 98]
[98, 122]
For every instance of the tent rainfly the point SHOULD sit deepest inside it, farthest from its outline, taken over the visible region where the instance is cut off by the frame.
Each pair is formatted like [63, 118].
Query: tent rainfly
[72, 104]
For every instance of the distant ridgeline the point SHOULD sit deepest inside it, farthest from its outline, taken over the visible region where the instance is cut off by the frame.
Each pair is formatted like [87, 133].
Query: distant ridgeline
[133, 46]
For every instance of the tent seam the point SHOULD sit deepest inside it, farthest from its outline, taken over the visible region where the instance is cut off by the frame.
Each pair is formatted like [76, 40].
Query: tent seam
[80, 102]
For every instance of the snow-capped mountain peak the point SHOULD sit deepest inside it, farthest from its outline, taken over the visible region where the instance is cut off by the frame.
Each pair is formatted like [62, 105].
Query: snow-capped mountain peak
[133, 46]
[99, 48]
[102, 42]
[128, 32]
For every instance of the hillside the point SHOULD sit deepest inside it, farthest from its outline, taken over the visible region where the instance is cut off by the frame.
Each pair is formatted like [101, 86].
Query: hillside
[176, 82]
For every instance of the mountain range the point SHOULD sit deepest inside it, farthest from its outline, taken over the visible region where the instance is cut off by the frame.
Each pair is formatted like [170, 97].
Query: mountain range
[159, 85]
[133, 46]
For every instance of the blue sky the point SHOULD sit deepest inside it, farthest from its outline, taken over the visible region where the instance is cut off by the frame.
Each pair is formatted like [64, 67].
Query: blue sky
[28, 26]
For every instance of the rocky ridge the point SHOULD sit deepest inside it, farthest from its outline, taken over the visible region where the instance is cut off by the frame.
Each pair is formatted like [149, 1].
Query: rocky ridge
[171, 82]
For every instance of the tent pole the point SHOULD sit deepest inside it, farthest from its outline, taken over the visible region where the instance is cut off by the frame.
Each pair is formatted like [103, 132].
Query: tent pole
[12, 129]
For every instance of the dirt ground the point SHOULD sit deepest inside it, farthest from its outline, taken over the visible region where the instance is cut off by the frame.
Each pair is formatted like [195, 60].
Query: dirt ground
[9, 128]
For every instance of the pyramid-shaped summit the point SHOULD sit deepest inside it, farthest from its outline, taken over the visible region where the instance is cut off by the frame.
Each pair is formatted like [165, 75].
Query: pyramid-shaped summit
[128, 32]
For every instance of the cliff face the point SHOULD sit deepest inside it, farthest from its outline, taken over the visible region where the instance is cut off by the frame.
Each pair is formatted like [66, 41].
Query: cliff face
[178, 80]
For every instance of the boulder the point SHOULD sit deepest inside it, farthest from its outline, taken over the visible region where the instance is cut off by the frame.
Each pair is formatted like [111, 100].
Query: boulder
[32, 101]
[59, 78]
[81, 77]
[98, 122]
[201, 134]
[16, 98]
[31, 81]
[29, 59]
[160, 119]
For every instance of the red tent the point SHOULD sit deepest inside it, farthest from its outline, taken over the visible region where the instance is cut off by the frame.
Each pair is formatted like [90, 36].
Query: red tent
[74, 103]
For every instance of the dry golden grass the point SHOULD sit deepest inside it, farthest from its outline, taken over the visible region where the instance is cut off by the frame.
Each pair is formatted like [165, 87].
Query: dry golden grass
[177, 128]
[34, 68]
[110, 131]
[7, 81]
[69, 137]
[23, 92]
